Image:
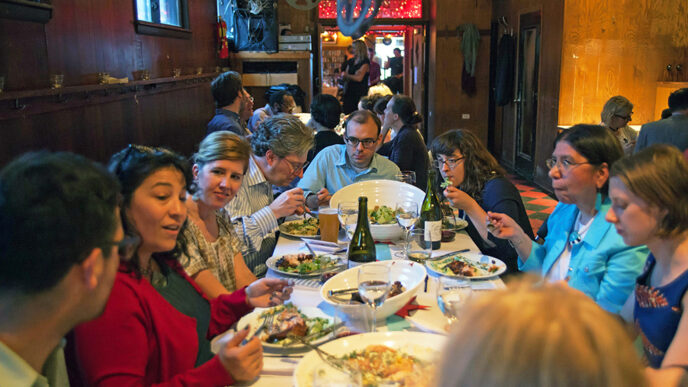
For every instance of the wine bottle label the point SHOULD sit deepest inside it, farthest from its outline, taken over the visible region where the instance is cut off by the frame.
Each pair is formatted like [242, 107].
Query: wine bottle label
[433, 231]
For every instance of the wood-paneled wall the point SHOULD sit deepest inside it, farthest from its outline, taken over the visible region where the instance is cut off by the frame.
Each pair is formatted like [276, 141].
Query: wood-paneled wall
[446, 100]
[86, 37]
[612, 48]
[552, 16]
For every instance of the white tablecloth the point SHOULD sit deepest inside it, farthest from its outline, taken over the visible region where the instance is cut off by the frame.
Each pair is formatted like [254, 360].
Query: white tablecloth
[277, 371]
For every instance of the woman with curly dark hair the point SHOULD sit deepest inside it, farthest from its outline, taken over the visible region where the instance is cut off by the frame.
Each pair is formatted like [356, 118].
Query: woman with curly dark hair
[478, 185]
[157, 324]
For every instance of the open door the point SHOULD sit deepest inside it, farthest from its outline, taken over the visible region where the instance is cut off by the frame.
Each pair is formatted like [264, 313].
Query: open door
[527, 92]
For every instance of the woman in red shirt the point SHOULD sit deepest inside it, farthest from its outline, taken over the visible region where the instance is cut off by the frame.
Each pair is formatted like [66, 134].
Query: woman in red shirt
[156, 326]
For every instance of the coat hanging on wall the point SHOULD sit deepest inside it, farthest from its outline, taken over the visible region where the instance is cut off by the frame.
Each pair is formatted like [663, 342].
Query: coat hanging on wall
[469, 48]
[504, 74]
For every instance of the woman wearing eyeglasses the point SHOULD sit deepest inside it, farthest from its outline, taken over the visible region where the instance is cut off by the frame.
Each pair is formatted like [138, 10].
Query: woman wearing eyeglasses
[616, 115]
[214, 249]
[156, 326]
[478, 185]
[581, 249]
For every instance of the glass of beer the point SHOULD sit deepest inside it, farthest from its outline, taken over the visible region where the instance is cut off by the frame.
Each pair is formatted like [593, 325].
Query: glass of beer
[329, 224]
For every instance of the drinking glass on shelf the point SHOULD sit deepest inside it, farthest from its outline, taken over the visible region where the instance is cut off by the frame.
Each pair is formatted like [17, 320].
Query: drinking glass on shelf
[177, 72]
[348, 216]
[373, 286]
[408, 177]
[418, 250]
[56, 81]
[407, 215]
[326, 376]
[452, 295]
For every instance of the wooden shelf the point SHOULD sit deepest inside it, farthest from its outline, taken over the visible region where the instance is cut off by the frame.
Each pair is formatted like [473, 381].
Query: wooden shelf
[26, 10]
[252, 55]
[24, 94]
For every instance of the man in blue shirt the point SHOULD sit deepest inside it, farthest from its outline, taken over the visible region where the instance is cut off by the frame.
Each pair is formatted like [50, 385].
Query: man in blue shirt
[233, 104]
[337, 166]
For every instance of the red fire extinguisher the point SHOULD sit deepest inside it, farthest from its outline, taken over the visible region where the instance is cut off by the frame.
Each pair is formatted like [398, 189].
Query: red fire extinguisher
[223, 45]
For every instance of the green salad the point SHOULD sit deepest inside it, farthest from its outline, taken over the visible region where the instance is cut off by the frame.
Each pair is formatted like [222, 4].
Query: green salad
[305, 263]
[305, 227]
[382, 215]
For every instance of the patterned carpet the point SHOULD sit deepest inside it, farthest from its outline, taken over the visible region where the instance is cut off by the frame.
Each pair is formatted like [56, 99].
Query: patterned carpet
[538, 204]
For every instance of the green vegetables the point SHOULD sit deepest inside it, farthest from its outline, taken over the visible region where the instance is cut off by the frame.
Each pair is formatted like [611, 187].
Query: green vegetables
[306, 227]
[446, 183]
[382, 215]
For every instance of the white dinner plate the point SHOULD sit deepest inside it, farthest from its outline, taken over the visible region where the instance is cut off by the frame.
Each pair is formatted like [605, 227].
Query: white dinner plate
[424, 346]
[272, 264]
[281, 228]
[477, 259]
[428, 320]
[254, 320]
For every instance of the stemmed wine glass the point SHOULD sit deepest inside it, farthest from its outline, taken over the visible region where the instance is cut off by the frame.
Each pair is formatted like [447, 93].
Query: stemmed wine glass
[348, 216]
[452, 295]
[407, 215]
[373, 286]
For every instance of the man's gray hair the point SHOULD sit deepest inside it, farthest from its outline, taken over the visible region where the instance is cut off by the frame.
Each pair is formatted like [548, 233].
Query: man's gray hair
[284, 134]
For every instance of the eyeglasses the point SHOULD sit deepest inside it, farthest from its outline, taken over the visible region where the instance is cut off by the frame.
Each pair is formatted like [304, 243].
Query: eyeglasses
[295, 167]
[564, 165]
[126, 247]
[627, 118]
[367, 142]
[451, 163]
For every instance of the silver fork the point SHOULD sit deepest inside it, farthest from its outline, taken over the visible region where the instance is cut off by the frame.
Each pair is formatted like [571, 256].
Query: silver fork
[328, 358]
[267, 322]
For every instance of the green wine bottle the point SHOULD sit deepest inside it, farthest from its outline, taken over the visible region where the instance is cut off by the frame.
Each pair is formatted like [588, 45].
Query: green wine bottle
[362, 245]
[431, 214]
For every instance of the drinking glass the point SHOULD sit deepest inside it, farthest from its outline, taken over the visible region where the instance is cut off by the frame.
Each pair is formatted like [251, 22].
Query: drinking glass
[327, 376]
[408, 177]
[348, 216]
[177, 72]
[354, 318]
[56, 81]
[407, 215]
[329, 225]
[418, 249]
[373, 286]
[452, 295]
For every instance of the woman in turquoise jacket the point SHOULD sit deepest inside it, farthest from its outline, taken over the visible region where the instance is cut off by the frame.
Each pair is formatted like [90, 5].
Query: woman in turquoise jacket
[581, 247]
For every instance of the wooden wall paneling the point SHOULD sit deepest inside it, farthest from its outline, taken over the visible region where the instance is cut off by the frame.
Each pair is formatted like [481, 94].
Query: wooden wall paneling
[446, 100]
[22, 54]
[613, 50]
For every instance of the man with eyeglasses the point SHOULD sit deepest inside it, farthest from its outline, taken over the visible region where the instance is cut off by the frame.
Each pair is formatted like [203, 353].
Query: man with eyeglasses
[60, 233]
[337, 166]
[280, 148]
[280, 102]
[233, 104]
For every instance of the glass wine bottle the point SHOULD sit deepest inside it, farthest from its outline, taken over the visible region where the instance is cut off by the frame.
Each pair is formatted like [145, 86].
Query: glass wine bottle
[362, 245]
[431, 214]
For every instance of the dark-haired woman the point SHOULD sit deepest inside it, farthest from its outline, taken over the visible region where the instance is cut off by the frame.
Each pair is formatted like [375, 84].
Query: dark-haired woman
[478, 185]
[582, 248]
[325, 116]
[407, 148]
[156, 326]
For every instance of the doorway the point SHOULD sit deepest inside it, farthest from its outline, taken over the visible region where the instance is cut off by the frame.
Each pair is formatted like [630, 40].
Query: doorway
[527, 93]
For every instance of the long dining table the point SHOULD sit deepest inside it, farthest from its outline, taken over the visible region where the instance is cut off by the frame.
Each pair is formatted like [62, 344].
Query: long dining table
[278, 368]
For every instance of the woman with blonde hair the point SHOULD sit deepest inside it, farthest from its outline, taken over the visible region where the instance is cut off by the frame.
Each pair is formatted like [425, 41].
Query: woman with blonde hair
[555, 336]
[213, 247]
[356, 77]
[650, 207]
[616, 115]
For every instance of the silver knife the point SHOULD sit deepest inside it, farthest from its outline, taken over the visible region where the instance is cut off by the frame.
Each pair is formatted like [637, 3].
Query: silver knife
[450, 254]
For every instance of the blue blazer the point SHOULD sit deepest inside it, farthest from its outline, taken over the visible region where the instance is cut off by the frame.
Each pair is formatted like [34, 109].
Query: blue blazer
[602, 265]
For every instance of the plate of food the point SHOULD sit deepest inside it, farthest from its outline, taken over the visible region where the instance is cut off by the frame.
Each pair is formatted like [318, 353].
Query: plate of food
[468, 265]
[308, 322]
[409, 358]
[382, 215]
[304, 264]
[452, 223]
[301, 228]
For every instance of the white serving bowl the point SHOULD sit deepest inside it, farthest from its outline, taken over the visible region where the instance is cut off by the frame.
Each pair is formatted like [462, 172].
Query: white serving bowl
[379, 193]
[410, 274]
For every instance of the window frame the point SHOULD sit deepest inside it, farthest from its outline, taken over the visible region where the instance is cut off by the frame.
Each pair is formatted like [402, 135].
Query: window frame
[165, 30]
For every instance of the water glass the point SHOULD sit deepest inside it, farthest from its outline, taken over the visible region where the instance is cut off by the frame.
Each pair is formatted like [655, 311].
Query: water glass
[373, 286]
[452, 295]
[408, 177]
[56, 81]
[355, 318]
[177, 72]
[407, 215]
[418, 249]
[348, 216]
